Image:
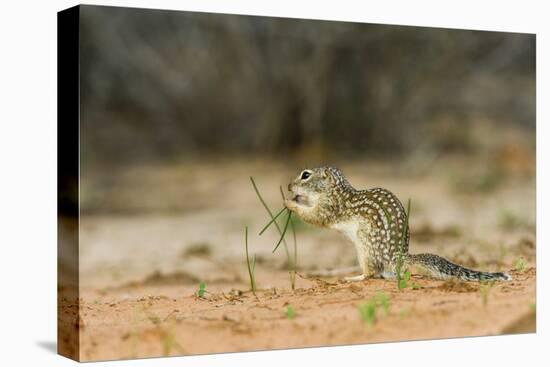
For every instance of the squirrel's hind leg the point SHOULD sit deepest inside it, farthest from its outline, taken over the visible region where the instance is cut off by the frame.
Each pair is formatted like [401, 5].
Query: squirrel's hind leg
[388, 275]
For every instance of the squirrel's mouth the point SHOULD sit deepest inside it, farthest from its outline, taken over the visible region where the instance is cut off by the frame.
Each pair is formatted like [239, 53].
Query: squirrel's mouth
[300, 200]
[300, 197]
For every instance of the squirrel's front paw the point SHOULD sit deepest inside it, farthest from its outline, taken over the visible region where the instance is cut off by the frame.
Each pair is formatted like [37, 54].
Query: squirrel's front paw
[356, 278]
[290, 204]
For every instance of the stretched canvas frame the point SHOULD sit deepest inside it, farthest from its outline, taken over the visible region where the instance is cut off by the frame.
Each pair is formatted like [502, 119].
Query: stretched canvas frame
[171, 321]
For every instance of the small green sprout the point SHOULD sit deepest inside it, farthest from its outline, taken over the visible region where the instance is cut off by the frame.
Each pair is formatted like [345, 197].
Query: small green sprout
[383, 301]
[403, 283]
[167, 340]
[368, 312]
[290, 313]
[202, 289]
[520, 264]
[250, 265]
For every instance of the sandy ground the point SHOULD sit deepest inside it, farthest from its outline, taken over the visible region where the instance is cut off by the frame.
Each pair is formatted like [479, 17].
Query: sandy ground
[148, 320]
[141, 263]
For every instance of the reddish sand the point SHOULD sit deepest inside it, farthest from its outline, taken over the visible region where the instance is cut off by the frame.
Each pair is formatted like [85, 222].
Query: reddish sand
[140, 267]
[154, 320]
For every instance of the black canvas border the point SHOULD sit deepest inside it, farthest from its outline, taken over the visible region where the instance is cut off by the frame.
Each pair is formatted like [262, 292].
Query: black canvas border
[68, 206]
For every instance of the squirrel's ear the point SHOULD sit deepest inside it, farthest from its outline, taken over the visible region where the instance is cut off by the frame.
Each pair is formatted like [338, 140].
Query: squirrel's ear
[327, 174]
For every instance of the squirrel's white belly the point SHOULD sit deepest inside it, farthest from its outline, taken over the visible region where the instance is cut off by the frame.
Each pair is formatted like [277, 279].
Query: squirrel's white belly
[356, 231]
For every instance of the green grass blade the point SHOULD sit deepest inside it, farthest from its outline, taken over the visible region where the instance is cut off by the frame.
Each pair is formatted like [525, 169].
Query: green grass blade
[401, 283]
[387, 215]
[295, 244]
[272, 221]
[282, 193]
[293, 263]
[284, 231]
[269, 212]
[250, 270]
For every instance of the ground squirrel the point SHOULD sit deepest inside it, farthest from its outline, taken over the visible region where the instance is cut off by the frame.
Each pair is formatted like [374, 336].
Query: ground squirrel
[373, 220]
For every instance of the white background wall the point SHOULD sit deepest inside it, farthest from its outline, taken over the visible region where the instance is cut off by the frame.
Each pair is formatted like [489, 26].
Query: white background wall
[28, 143]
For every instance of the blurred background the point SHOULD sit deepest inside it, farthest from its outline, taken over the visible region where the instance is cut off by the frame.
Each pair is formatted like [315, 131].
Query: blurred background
[178, 109]
[160, 85]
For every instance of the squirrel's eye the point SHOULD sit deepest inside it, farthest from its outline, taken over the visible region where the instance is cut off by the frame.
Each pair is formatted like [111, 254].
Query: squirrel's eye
[305, 175]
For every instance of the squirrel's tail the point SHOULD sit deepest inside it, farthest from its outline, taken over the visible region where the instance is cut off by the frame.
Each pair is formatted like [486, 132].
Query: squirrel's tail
[441, 268]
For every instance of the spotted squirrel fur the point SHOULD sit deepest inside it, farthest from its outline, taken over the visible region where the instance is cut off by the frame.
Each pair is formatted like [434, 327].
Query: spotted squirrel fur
[374, 220]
